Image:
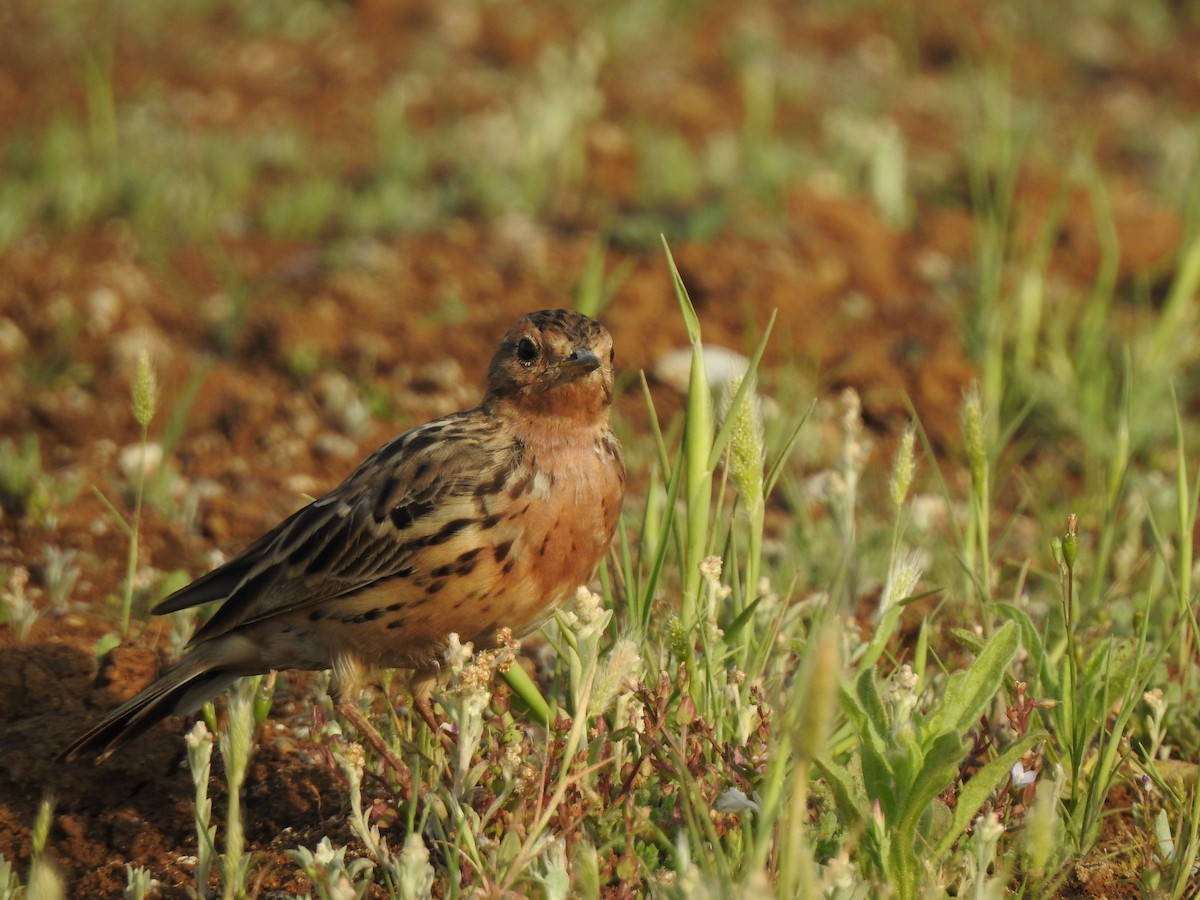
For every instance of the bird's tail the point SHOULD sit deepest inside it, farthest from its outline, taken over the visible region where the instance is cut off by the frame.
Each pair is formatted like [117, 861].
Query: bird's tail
[180, 689]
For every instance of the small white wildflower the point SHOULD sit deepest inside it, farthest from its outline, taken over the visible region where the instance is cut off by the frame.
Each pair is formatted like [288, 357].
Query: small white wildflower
[987, 834]
[589, 606]
[197, 736]
[527, 778]
[476, 676]
[457, 653]
[352, 759]
[710, 568]
[905, 680]
[416, 872]
[325, 854]
[510, 761]
[839, 874]
[1020, 777]
[988, 828]
[735, 801]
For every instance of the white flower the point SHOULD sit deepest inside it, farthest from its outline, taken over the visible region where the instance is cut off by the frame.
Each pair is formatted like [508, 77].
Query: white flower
[589, 606]
[734, 801]
[1021, 778]
[197, 736]
[457, 653]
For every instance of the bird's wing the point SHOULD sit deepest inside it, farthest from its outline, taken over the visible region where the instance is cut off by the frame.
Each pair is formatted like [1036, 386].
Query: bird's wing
[417, 491]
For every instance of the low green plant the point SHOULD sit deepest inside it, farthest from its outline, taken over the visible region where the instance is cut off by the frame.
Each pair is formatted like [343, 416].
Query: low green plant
[24, 484]
[20, 613]
[907, 760]
[60, 573]
[331, 875]
[10, 882]
[236, 742]
[145, 403]
[199, 754]
[138, 882]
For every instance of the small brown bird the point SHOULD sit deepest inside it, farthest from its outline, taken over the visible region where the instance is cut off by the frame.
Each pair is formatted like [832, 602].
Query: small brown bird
[478, 521]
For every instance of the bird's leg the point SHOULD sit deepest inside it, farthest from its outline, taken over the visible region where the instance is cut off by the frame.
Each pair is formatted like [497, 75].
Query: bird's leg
[347, 706]
[421, 687]
[344, 689]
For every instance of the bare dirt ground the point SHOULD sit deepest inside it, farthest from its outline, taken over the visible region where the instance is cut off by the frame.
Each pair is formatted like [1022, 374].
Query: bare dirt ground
[858, 305]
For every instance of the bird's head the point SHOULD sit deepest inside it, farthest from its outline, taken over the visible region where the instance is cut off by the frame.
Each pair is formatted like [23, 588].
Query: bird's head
[557, 362]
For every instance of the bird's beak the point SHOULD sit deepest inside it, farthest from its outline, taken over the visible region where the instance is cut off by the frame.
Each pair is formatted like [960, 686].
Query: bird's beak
[579, 363]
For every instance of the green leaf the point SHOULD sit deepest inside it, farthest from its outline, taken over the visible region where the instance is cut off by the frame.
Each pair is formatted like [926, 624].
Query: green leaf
[105, 644]
[841, 784]
[690, 319]
[963, 705]
[878, 777]
[907, 762]
[518, 679]
[939, 771]
[853, 708]
[735, 627]
[968, 639]
[867, 693]
[1034, 642]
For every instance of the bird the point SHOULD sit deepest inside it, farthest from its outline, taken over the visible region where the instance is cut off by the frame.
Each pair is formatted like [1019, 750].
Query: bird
[476, 523]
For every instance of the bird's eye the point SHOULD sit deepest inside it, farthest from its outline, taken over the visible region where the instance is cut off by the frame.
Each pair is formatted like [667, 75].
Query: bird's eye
[527, 350]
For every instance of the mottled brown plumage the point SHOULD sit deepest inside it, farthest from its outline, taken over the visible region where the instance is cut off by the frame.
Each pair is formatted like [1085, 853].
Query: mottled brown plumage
[477, 521]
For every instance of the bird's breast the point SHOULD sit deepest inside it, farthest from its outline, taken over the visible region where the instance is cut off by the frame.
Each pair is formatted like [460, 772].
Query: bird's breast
[565, 507]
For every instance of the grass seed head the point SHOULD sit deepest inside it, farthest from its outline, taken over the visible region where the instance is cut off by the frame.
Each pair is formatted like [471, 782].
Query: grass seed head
[746, 442]
[972, 423]
[904, 466]
[145, 390]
